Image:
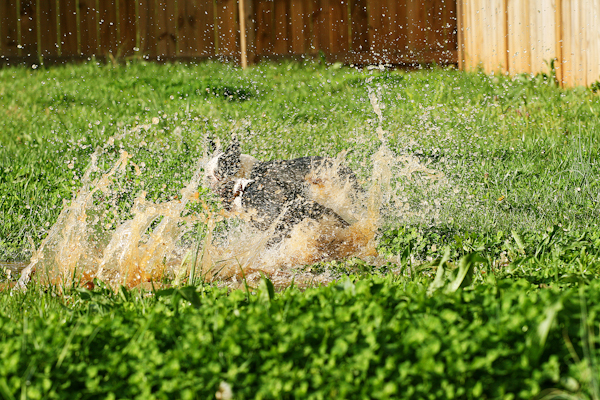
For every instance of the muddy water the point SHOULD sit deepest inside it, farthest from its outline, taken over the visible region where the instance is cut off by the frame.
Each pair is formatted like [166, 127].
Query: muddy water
[15, 267]
[149, 247]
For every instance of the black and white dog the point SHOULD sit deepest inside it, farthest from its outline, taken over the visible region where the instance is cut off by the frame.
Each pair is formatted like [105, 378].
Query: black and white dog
[276, 193]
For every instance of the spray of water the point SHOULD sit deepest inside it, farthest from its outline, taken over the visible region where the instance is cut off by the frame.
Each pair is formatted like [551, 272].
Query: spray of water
[148, 247]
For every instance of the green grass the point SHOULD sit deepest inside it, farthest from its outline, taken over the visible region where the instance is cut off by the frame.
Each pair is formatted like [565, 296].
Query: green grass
[491, 290]
[521, 140]
[361, 338]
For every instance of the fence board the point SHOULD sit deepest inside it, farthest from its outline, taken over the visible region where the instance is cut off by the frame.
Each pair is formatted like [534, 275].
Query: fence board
[205, 28]
[593, 44]
[9, 27]
[450, 25]
[338, 27]
[360, 26]
[28, 40]
[485, 49]
[538, 31]
[227, 11]
[47, 27]
[416, 14]
[374, 12]
[2, 28]
[264, 22]
[300, 27]
[148, 27]
[107, 26]
[88, 17]
[281, 22]
[68, 28]
[519, 54]
[187, 13]
[320, 20]
[127, 25]
[542, 34]
[435, 21]
[403, 31]
[166, 29]
[466, 44]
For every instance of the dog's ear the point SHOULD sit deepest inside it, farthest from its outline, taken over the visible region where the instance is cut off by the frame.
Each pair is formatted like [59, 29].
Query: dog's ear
[234, 150]
[229, 162]
[211, 146]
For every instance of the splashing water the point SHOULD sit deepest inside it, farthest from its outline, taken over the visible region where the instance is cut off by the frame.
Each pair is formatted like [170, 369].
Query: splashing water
[148, 247]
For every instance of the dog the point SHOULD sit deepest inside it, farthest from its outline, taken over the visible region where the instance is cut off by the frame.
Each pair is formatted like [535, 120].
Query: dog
[278, 193]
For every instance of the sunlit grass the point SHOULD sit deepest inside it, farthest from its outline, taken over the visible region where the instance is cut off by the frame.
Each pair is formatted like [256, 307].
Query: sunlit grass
[520, 154]
[490, 289]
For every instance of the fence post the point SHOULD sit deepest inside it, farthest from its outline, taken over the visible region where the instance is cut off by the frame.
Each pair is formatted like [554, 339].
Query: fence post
[243, 45]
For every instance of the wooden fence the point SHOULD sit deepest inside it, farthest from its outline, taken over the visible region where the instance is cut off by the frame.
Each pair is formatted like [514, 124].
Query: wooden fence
[351, 31]
[518, 36]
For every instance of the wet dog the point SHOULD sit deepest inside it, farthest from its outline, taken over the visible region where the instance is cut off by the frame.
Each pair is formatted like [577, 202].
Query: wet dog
[278, 193]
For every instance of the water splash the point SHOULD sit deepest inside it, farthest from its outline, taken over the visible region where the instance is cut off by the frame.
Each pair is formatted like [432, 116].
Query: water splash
[149, 246]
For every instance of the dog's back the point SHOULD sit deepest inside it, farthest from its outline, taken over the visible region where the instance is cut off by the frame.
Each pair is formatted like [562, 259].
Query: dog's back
[281, 192]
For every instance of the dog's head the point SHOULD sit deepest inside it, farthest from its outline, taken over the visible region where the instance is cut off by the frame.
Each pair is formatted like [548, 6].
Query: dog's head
[223, 166]
[231, 193]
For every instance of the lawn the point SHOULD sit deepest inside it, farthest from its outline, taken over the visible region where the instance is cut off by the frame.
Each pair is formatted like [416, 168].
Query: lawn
[488, 290]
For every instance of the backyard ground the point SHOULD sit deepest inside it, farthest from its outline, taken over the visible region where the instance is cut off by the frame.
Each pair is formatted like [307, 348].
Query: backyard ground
[490, 250]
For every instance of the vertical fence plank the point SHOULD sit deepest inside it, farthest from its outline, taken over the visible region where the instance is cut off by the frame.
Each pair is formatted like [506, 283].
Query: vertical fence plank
[577, 41]
[206, 28]
[167, 29]
[227, 27]
[571, 43]
[451, 23]
[558, 42]
[396, 27]
[28, 18]
[107, 26]
[416, 13]
[47, 15]
[375, 10]
[320, 25]
[468, 34]
[247, 29]
[444, 23]
[187, 15]
[148, 28]
[2, 23]
[593, 43]
[460, 33]
[566, 48]
[250, 30]
[498, 47]
[127, 27]
[431, 26]
[171, 28]
[282, 43]
[519, 46]
[338, 27]
[541, 34]
[580, 37]
[264, 27]
[68, 27]
[300, 32]
[9, 26]
[436, 24]
[88, 24]
[477, 40]
[360, 25]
